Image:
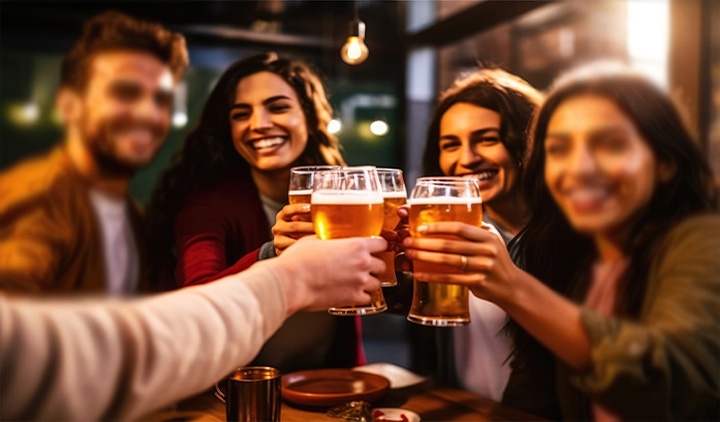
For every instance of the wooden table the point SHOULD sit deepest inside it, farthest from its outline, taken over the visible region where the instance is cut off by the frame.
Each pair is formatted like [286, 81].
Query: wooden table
[430, 402]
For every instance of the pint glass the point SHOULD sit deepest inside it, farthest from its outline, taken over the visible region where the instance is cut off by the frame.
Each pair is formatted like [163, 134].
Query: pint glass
[436, 199]
[349, 203]
[394, 196]
[301, 182]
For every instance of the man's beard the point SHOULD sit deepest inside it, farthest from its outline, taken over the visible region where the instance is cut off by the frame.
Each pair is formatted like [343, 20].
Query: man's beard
[103, 149]
[108, 161]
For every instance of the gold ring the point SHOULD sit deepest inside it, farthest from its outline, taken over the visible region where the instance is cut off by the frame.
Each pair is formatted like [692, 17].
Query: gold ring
[464, 261]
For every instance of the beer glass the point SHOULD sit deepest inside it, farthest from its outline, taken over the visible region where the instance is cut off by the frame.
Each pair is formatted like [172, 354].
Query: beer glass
[435, 199]
[349, 203]
[394, 196]
[301, 182]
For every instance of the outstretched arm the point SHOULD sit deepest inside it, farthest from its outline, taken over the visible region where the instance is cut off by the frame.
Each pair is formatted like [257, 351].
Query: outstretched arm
[111, 359]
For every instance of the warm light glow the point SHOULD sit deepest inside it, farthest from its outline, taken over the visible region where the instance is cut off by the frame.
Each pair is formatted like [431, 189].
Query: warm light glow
[24, 114]
[180, 119]
[647, 37]
[354, 51]
[334, 126]
[379, 128]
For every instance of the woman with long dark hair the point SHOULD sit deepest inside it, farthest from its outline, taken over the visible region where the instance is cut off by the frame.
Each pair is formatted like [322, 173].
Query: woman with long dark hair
[479, 130]
[615, 300]
[215, 205]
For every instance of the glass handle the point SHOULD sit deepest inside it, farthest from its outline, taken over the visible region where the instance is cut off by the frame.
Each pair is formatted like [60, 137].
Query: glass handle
[219, 394]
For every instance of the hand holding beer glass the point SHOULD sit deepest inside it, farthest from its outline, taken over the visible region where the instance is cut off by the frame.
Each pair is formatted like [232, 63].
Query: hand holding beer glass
[394, 196]
[349, 203]
[436, 199]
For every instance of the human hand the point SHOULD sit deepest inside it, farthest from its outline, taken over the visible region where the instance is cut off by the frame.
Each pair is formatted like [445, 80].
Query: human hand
[402, 230]
[318, 274]
[291, 223]
[479, 254]
[403, 227]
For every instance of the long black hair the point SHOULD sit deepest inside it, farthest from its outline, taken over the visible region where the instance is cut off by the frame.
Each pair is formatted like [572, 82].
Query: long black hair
[548, 247]
[208, 156]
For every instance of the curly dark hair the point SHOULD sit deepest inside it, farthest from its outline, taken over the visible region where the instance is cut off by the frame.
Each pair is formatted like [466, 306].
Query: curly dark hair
[548, 244]
[208, 156]
[495, 89]
[114, 30]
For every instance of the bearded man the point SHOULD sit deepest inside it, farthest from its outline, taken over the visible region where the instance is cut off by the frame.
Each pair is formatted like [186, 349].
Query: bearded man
[67, 223]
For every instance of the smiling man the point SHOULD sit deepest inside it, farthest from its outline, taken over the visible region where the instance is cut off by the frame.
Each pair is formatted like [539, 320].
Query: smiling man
[67, 223]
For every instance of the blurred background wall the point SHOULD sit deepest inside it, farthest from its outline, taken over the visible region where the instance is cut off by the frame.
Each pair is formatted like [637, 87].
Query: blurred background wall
[417, 48]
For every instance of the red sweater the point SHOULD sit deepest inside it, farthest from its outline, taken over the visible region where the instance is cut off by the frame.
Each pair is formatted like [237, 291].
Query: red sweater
[218, 232]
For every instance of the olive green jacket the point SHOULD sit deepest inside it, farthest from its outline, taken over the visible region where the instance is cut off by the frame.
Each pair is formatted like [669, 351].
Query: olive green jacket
[665, 364]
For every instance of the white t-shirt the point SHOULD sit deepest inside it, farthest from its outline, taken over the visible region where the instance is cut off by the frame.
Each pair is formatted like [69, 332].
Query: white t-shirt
[122, 266]
[481, 350]
[271, 208]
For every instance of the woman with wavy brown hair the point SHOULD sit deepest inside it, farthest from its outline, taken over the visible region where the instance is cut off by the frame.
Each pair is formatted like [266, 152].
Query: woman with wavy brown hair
[479, 130]
[215, 205]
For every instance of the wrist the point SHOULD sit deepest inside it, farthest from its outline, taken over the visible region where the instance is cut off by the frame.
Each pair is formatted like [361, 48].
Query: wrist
[519, 293]
[291, 284]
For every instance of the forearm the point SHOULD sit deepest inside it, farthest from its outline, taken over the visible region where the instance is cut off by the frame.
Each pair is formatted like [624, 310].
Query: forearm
[549, 317]
[116, 360]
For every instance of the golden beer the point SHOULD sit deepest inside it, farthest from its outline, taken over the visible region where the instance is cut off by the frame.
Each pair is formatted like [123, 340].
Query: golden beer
[338, 214]
[299, 196]
[435, 303]
[392, 201]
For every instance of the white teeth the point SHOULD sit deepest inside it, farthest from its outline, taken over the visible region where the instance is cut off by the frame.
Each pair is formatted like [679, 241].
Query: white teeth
[485, 175]
[588, 194]
[268, 142]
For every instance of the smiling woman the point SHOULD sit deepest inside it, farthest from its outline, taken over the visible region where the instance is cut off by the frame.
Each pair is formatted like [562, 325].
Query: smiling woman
[217, 202]
[478, 130]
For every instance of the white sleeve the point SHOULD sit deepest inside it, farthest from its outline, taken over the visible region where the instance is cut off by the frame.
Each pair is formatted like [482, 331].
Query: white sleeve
[112, 359]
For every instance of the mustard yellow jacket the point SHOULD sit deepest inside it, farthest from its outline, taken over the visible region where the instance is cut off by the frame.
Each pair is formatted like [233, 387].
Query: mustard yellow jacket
[50, 240]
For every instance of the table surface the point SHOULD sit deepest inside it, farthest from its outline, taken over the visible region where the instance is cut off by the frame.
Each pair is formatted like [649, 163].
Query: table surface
[430, 402]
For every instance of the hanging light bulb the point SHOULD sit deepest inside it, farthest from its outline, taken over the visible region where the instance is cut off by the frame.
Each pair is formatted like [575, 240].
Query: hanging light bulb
[355, 51]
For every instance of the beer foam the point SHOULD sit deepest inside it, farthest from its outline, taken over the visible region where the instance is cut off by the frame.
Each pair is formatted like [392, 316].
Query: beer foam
[443, 200]
[300, 192]
[346, 197]
[400, 194]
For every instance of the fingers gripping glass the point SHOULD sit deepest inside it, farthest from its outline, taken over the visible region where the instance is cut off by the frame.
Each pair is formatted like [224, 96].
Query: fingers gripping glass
[394, 196]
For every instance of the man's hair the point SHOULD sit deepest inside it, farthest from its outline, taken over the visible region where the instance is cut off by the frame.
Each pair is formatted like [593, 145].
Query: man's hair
[112, 31]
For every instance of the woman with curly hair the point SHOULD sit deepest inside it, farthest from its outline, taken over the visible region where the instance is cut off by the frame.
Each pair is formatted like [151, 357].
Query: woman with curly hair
[217, 202]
